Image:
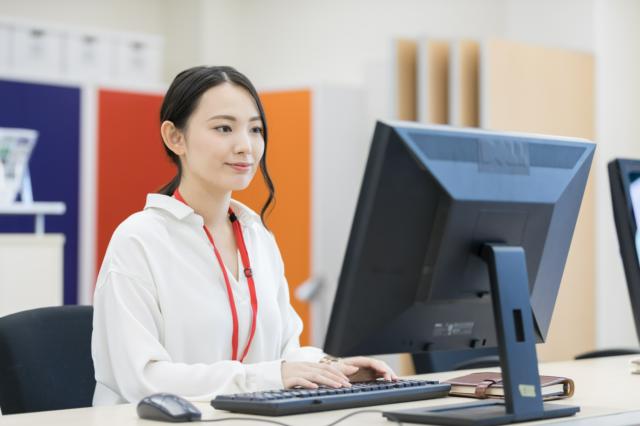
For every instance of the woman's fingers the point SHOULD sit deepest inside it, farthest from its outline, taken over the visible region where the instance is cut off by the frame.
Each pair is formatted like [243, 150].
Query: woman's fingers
[346, 369]
[322, 379]
[310, 375]
[304, 373]
[332, 374]
[299, 381]
[333, 369]
[380, 367]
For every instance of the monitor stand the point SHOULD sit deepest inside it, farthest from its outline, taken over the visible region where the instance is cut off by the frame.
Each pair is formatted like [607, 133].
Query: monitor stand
[518, 360]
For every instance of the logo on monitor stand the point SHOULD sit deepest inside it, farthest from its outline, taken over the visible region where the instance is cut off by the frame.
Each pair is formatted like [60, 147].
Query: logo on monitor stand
[503, 156]
[448, 329]
[527, 391]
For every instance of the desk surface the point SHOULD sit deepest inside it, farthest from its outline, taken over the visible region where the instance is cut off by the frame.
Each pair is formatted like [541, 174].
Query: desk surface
[606, 391]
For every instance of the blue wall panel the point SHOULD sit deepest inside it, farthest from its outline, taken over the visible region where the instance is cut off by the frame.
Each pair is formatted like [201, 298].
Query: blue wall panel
[54, 111]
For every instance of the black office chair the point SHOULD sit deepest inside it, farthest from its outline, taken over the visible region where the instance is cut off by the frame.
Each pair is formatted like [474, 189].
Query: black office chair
[45, 359]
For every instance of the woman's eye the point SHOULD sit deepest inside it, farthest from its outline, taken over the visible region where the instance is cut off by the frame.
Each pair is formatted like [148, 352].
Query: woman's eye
[257, 129]
[223, 129]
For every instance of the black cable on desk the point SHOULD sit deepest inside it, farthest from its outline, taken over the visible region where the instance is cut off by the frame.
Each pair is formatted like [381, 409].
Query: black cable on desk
[275, 422]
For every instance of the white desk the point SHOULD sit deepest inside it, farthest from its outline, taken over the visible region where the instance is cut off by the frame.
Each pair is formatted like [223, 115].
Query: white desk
[607, 393]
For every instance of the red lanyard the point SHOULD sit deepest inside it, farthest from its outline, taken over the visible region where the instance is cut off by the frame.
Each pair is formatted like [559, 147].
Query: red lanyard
[237, 230]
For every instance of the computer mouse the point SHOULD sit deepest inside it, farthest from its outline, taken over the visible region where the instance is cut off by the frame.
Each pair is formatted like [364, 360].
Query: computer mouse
[167, 407]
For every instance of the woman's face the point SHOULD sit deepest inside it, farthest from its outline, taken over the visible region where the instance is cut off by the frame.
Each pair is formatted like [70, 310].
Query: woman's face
[223, 139]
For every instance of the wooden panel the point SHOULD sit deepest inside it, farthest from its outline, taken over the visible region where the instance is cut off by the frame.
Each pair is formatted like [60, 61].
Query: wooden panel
[545, 90]
[464, 84]
[433, 81]
[404, 63]
[289, 162]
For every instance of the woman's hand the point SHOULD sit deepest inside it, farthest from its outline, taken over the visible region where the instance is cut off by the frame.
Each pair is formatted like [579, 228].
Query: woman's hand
[311, 374]
[368, 369]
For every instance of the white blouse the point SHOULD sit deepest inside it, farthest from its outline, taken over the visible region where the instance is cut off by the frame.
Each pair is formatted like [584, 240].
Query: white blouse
[162, 320]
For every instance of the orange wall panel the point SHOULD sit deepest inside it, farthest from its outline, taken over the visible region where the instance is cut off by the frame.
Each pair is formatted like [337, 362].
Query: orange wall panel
[289, 162]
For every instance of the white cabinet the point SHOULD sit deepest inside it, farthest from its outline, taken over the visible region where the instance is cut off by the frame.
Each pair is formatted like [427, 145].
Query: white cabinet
[44, 50]
[138, 59]
[37, 50]
[88, 56]
[31, 274]
[6, 42]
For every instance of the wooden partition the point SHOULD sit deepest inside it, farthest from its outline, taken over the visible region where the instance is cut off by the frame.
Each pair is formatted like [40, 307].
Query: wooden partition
[544, 90]
[433, 81]
[404, 80]
[464, 84]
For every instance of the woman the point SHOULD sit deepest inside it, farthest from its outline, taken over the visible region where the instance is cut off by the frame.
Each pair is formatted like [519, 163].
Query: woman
[191, 297]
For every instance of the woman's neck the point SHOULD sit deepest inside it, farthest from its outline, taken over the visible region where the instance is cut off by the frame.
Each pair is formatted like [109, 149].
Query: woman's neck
[211, 204]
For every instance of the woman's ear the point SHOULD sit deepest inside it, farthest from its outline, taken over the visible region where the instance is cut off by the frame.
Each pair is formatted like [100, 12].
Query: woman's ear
[172, 137]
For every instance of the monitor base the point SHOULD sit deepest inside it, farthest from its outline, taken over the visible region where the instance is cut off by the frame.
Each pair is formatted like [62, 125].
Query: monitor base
[481, 413]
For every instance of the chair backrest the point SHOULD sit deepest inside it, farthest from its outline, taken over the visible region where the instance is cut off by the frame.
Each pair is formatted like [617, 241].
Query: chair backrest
[45, 359]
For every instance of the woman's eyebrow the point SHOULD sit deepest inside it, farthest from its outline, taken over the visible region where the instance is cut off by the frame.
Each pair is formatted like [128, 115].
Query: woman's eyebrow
[232, 118]
[224, 117]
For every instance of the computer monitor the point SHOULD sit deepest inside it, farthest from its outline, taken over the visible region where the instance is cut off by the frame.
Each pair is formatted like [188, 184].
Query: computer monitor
[415, 277]
[624, 178]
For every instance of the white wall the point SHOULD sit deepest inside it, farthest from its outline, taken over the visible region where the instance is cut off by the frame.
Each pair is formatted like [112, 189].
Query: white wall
[567, 24]
[138, 16]
[290, 42]
[617, 48]
[183, 29]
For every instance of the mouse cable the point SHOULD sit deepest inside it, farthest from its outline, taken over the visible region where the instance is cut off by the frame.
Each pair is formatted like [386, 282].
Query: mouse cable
[259, 419]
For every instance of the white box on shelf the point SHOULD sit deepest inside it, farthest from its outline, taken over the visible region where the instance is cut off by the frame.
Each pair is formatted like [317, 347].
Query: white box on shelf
[6, 41]
[138, 59]
[88, 56]
[37, 50]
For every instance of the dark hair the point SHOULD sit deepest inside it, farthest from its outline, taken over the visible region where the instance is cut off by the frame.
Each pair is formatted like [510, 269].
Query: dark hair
[181, 100]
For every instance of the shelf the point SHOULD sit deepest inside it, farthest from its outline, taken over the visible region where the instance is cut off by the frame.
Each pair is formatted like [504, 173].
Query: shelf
[38, 209]
[53, 208]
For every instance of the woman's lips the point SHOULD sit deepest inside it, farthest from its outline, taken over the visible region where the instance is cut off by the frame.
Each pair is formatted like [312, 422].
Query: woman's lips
[240, 167]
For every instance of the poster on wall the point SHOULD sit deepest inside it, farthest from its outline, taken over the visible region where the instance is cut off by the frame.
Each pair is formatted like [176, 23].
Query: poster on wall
[54, 113]
[15, 150]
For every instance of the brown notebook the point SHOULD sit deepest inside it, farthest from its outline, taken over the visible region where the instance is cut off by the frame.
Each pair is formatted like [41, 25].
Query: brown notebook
[489, 385]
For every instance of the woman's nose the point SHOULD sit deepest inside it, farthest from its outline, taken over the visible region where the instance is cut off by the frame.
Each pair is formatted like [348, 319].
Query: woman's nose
[243, 143]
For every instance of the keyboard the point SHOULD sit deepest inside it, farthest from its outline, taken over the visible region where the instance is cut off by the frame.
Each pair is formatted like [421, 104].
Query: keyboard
[295, 401]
